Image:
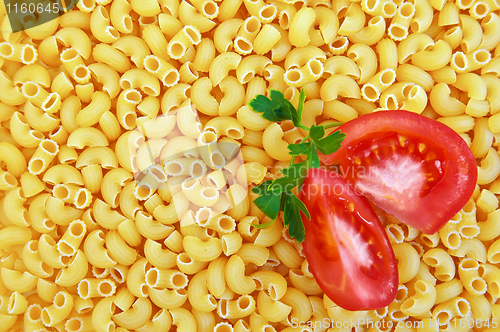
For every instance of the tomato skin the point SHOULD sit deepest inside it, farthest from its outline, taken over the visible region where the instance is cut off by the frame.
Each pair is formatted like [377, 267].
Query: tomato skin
[427, 210]
[346, 246]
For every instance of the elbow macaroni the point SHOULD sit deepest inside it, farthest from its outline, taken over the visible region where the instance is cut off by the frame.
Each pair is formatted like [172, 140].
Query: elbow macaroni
[92, 178]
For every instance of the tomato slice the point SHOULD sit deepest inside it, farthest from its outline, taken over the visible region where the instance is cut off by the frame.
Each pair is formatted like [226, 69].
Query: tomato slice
[346, 246]
[415, 168]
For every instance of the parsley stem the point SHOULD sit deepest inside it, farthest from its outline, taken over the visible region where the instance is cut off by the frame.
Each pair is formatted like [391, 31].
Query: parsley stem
[333, 124]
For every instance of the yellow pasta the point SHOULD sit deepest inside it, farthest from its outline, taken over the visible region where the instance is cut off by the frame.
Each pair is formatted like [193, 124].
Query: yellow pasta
[128, 149]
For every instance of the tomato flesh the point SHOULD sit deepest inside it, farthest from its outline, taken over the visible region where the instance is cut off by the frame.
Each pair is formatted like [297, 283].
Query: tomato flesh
[346, 246]
[413, 167]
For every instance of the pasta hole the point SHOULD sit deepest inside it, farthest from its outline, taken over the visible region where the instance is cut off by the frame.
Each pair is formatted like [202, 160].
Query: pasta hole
[387, 77]
[443, 316]
[179, 280]
[46, 320]
[248, 76]
[226, 224]
[482, 56]
[217, 160]
[430, 260]
[316, 67]
[177, 50]
[479, 285]
[6, 50]
[59, 300]
[117, 275]
[133, 96]
[61, 192]
[30, 89]
[210, 8]
[243, 303]
[130, 119]
[65, 249]
[28, 55]
[375, 20]
[390, 8]
[83, 289]
[268, 12]
[98, 271]
[81, 72]
[401, 294]
[494, 288]
[293, 76]
[481, 10]
[370, 4]
[398, 32]
[81, 198]
[407, 9]
[460, 61]
[454, 240]
[127, 22]
[184, 258]
[284, 20]
[105, 288]
[209, 192]
[235, 134]
[76, 229]
[170, 78]
[152, 64]
[49, 146]
[197, 170]
[52, 100]
[463, 308]
[252, 25]
[174, 168]
[113, 32]
[73, 324]
[143, 191]
[223, 327]
[10, 179]
[34, 313]
[370, 92]
[408, 304]
[69, 54]
[470, 231]
[415, 27]
[223, 309]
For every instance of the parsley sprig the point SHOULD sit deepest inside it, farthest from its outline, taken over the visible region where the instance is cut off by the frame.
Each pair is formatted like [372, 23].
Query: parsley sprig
[277, 195]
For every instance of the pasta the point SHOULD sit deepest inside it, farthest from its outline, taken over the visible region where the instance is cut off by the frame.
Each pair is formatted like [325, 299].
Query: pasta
[128, 149]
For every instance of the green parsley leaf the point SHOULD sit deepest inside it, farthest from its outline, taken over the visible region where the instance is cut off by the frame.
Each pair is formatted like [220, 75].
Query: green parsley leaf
[292, 217]
[293, 176]
[312, 158]
[276, 195]
[316, 133]
[269, 204]
[302, 99]
[267, 224]
[277, 108]
[298, 149]
[330, 143]
[261, 189]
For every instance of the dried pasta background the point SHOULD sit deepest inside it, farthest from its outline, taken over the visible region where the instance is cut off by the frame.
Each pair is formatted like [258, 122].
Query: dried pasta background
[108, 223]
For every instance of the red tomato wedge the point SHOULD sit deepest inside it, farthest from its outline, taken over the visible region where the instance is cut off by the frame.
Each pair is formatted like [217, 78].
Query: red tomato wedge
[415, 168]
[346, 246]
